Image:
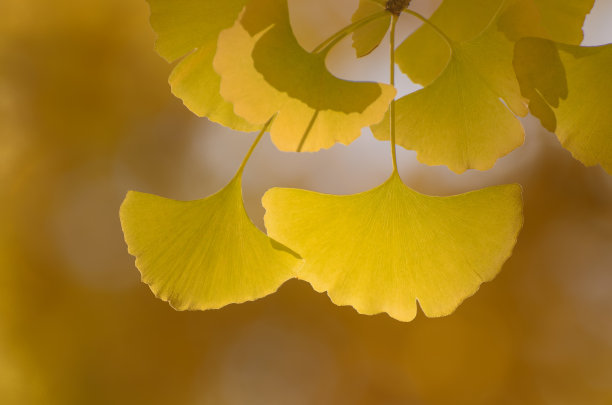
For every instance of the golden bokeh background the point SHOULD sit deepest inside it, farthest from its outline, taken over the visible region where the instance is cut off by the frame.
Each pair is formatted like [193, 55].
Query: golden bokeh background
[86, 115]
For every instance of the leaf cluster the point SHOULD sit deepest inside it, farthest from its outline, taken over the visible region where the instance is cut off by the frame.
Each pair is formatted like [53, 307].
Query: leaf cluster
[483, 64]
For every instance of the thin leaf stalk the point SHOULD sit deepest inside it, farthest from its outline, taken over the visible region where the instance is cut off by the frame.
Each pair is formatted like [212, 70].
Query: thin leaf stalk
[392, 81]
[254, 145]
[307, 131]
[437, 29]
[333, 40]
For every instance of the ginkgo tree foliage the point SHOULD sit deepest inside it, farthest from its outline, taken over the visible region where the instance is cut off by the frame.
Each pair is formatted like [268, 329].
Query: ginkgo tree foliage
[483, 64]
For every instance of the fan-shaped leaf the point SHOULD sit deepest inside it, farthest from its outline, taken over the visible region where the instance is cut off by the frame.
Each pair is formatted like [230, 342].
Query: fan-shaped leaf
[368, 37]
[190, 28]
[264, 70]
[577, 83]
[202, 254]
[459, 120]
[384, 249]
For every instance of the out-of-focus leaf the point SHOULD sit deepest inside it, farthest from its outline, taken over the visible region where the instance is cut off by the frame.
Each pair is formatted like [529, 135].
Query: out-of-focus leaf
[541, 77]
[424, 54]
[385, 249]
[264, 71]
[189, 29]
[460, 120]
[202, 254]
[569, 88]
[368, 37]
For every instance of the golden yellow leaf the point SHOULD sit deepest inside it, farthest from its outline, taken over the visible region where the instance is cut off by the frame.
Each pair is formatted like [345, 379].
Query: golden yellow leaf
[189, 29]
[459, 120]
[569, 88]
[203, 254]
[264, 71]
[368, 37]
[385, 249]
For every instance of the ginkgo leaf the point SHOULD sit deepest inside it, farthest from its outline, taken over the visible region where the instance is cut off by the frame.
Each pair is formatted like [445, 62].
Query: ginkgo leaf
[189, 29]
[385, 249]
[368, 37]
[202, 254]
[558, 20]
[460, 120]
[264, 71]
[569, 88]
[541, 76]
[424, 54]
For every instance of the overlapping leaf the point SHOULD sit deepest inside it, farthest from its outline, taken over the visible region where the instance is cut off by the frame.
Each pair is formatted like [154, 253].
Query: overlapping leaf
[570, 89]
[368, 37]
[189, 29]
[385, 249]
[424, 54]
[264, 71]
[460, 120]
[202, 254]
[541, 77]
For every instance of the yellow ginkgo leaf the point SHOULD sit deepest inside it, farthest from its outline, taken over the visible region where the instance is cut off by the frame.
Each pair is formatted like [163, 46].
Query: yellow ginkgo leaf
[189, 29]
[459, 120]
[264, 71]
[385, 249]
[569, 88]
[203, 254]
[558, 20]
[424, 54]
[368, 37]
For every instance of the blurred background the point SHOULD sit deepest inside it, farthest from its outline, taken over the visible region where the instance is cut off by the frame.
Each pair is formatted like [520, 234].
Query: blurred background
[86, 114]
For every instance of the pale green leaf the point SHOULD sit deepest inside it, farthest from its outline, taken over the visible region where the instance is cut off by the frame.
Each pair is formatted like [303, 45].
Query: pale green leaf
[385, 249]
[202, 254]
[460, 120]
[265, 71]
[368, 37]
[189, 29]
[569, 89]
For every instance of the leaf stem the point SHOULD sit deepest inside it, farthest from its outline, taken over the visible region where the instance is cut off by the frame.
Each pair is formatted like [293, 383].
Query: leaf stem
[392, 80]
[307, 131]
[252, 148]
[446, 38]
[330, 42]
